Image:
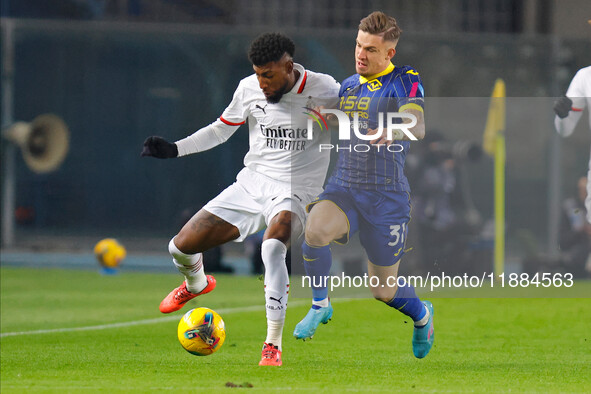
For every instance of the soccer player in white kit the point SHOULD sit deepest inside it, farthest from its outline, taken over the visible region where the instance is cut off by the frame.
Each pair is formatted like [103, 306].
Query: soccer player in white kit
[284, 171]
[569, 110]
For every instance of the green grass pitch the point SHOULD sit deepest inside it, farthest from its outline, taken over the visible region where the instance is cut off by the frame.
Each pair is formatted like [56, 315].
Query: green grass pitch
[482, 344]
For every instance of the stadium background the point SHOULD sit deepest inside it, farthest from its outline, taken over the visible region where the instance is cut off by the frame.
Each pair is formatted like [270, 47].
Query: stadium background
[119, 71]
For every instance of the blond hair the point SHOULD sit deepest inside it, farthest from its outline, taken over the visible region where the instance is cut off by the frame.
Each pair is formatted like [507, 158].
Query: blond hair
[382, 25]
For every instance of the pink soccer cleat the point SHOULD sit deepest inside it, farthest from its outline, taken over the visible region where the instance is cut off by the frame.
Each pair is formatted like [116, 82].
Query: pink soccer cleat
[177, 298]
[271, 355]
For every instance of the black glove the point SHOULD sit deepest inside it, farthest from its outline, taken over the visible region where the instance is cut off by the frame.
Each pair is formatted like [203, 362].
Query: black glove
[562, 107]
[160, 148]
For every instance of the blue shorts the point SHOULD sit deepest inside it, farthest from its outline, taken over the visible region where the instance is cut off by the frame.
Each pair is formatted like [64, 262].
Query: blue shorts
[381, 217]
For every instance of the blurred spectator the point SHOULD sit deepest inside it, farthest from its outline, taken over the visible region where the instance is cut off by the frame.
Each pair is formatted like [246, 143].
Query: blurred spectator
[435, 188]
[569, 110]
[575, 233]
[252, 248]
[433, 207]
[574, 241]
[445, 232]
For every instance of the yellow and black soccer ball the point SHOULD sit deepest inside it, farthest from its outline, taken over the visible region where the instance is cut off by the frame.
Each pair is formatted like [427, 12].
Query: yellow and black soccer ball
[201, 331]
[109, 253]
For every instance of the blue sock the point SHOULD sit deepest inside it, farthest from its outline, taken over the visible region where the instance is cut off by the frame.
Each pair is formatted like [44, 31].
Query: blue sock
[407, 302]
[317, 262]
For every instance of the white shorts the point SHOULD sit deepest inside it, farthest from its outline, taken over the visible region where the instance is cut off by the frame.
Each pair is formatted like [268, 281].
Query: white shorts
[253, 200]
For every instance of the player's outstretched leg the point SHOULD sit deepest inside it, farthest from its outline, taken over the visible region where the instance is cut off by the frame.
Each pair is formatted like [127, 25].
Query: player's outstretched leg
[307, 327]
[423, 337]
[406, 301]
[317, 262]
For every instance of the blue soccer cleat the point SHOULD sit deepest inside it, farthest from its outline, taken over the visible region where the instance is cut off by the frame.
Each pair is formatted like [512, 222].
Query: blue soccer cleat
[307, 327]
[422, 338]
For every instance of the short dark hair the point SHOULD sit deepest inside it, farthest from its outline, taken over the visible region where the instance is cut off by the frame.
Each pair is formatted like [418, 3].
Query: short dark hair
[270, 47]
[381, 24]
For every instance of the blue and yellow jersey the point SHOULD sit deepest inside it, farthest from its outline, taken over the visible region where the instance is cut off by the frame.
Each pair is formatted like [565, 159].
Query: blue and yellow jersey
[369, 167]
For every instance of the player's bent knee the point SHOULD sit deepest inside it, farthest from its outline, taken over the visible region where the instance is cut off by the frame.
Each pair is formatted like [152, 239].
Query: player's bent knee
[320, 235]
[273, 251]
[281, 233]
[314, 238]
[321, 230]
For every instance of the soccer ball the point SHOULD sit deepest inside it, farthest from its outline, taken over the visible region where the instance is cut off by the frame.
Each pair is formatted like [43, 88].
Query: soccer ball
[201, 331]
[109, 253]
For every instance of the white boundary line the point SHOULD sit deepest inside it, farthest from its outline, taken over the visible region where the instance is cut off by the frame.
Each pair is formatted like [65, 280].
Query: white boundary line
[221, 311]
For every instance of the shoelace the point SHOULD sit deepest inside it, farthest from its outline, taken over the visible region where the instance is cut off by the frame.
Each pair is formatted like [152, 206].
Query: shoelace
[182, 293]
[269, 352]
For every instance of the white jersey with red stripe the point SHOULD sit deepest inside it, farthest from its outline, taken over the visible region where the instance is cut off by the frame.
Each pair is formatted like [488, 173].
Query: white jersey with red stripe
[278, 132]
[579, 91]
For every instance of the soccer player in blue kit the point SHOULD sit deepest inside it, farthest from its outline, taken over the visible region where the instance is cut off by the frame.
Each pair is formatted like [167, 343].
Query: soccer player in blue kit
[368, 191]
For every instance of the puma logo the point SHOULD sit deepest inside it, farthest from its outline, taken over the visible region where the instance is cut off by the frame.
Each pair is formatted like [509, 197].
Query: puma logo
[261, 108]
[275, 299]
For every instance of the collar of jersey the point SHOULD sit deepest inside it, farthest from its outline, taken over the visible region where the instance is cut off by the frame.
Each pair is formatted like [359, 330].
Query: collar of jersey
[301, 80]
[388, 70]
